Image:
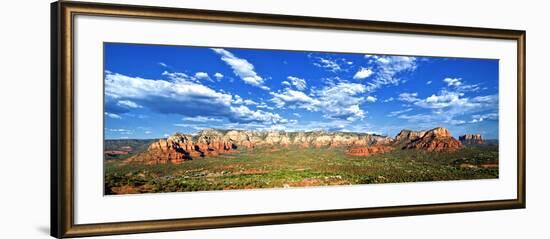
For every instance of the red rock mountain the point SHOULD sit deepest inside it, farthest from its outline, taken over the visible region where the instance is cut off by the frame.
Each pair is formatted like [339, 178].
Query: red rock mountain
[406, 136]
[210, 142]
[438, 140]
[369, 150]
[471, 139]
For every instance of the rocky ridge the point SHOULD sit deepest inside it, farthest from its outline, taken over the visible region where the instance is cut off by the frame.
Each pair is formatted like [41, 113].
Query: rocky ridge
[471, 139]
[437, 139]
[212, 142]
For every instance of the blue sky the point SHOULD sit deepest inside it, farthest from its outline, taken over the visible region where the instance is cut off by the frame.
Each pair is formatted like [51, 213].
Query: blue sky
[152, 91]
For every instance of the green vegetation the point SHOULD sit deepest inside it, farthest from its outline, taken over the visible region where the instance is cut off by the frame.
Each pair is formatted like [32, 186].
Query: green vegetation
[293, 167]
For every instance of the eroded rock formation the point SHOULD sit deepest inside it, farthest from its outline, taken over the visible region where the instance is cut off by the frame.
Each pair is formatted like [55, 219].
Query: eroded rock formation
[210, 142]
[471, 139]
[368, 150]
[407, 135]
[435, 140]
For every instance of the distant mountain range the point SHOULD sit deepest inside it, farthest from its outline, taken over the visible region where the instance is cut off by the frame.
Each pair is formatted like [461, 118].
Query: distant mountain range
[212, 142]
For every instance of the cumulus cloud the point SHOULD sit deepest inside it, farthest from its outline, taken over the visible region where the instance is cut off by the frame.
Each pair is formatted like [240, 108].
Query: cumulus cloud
[328, 64]
[218, 76]
[177, 77]
[447, 99]
[202, 76]
[339, 101]
[181, 96]
[245, 115]
[163, 64]
[371, 99]
[388, 69]
[483, 117]
[408, 97]
[459, 85]
[446, 106]
[242, 68]
[388, 100]
[238, 100]
[452, 81]
[294, 99]
[362, 73]
[299, 83]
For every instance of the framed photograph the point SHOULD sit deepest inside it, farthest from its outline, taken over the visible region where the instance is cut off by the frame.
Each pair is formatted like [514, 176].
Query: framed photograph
[170, 119]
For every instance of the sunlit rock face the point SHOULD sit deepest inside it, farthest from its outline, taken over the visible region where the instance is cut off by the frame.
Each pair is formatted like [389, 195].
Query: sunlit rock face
[471, 139]
[435, 140]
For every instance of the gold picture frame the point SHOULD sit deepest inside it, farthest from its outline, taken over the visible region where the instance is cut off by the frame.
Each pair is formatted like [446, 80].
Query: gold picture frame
[62, 118]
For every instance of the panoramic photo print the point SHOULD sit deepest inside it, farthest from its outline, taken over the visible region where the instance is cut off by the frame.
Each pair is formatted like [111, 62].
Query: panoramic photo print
[194, 118]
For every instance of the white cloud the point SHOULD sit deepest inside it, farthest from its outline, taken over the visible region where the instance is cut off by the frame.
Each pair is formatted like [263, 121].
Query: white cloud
[299, 83]
[339, 101]
[328, 64]
[428, 82]
[419, 118]
[242, 68]
[163, 64]
[239, 101]
[148, 132]
[371, 99]
[388, 100]
[128, 104]
[460, 86]
[408, 97]
[294, 99]
[446, 99]
[399, 112]
[244, 114]
[177, 77]
[362, 73]
[483, 117]
[452, 81]
[183, 97]
[263, 105]
[286, 83]
[388, 69]
[201, 119]
[447, 105]
[119, 130]
[218, 76]
[202, 76]
[113, 115]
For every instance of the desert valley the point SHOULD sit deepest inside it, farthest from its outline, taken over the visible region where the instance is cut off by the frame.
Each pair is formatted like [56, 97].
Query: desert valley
[216, 159]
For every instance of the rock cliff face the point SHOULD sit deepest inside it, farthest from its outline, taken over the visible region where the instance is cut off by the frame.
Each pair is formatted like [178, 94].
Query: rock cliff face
[406, 136]
[471, 139]
[210, 142]
[369, 150]
[435, 140]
